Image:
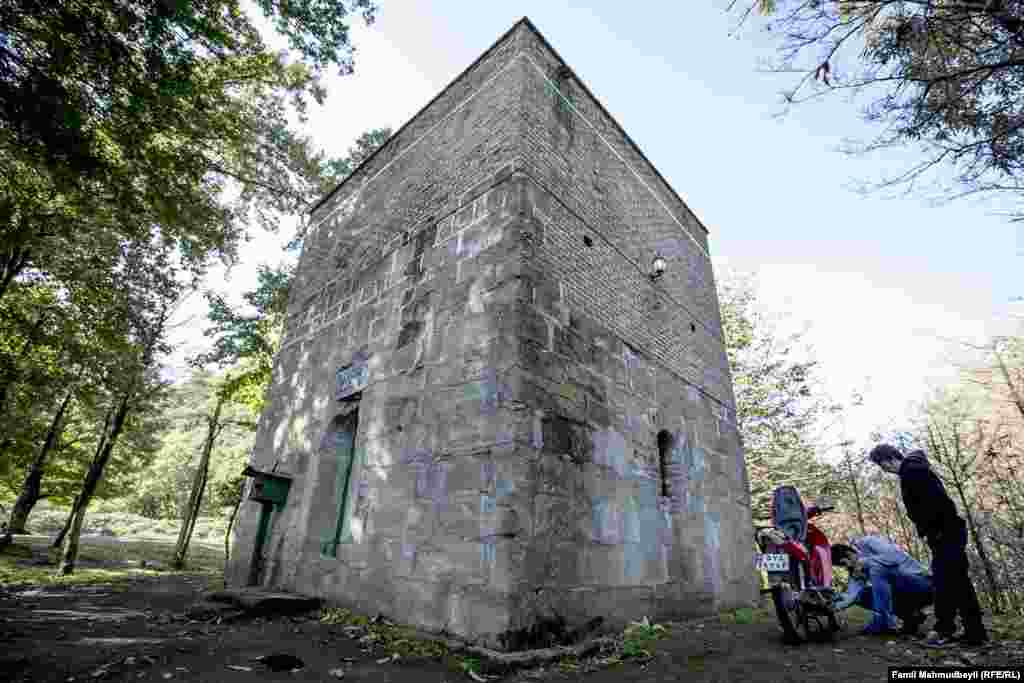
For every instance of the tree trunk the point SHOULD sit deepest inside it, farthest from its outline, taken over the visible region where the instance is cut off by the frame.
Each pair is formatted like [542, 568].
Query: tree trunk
[986, 562]
[31, 488]
[59, 540]
[1015, 391]
[195, 499]
[855, 488]
[92, 479]
[13, 262]
[227, 532]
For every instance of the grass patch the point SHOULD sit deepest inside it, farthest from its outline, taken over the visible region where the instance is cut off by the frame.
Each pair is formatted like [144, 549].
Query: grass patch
[100, 561]
[13, 575]
[1007, 626]
[48, 521]
[639, 637]
[468, 665]
[747, 615]
[395, 639]
[568, 665]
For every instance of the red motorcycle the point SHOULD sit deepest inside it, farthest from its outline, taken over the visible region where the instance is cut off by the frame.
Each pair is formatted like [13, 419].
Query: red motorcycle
[797, 557]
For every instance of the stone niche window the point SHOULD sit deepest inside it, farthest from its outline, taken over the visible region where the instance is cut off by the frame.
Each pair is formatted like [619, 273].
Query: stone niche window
[665, 444]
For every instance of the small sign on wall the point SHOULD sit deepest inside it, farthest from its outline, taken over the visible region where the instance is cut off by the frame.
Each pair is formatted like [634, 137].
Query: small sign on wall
[352, 379]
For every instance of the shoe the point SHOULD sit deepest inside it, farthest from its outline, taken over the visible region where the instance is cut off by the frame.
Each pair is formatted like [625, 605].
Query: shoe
[937, 641]
[975, 639]
[911, 627]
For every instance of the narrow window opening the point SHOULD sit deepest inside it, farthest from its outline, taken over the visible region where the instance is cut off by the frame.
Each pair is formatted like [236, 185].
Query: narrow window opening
[587, 241]
[665, 441]
[693, 328]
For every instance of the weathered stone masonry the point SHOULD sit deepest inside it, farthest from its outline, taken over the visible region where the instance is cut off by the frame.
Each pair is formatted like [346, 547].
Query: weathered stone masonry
[542, 428]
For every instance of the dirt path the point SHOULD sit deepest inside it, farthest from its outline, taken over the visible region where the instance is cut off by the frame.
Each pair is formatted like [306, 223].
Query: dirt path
[138, 631]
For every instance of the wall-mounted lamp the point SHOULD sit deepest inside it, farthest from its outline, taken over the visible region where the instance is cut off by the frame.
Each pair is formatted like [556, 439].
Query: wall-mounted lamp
[658, 266]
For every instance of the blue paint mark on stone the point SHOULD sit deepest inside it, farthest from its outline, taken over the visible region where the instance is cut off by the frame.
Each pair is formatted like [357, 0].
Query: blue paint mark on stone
[697, 460]
[631, 521]
[488, 552]
[680, 451]
[647, 491]
[487, 505]
[487, 473]
[712, 553]
[634, 560]
[504, 487]
[408, 551]
[489, 392]
[740, 467]
[610, 450]
[665, 528]
[537, 437]
[605, 522]
[696, 506]
[438, 483]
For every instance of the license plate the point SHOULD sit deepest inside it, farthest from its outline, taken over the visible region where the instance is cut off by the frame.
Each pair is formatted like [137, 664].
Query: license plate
[773, 562]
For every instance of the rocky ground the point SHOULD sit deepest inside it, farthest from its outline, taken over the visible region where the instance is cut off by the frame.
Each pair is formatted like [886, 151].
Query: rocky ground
[146, 628]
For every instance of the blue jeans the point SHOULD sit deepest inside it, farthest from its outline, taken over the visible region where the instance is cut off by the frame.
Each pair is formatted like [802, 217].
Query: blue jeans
[895, 593]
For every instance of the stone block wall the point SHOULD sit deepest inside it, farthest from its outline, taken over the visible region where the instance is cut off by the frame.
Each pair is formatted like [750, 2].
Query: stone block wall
[488, 267]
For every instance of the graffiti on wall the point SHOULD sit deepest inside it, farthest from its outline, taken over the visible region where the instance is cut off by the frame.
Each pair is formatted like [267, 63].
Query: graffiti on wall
[712, 553]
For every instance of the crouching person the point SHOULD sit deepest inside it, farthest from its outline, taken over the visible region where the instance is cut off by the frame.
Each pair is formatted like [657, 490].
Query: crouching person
[886, 581]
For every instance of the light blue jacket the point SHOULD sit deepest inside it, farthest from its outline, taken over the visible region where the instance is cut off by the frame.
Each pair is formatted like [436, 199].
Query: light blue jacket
[886, 568]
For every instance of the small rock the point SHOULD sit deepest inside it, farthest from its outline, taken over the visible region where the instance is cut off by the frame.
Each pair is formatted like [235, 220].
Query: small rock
[168, 674]
[130, 661]
[337, 673]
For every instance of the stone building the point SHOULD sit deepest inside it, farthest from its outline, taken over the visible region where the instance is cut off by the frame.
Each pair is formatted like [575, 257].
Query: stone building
[487, 409]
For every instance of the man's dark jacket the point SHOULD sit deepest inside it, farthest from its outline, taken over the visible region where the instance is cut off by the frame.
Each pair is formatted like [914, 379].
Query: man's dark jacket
[928, 505]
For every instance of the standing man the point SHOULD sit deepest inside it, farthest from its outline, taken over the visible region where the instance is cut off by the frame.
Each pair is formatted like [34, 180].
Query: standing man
[934, 514]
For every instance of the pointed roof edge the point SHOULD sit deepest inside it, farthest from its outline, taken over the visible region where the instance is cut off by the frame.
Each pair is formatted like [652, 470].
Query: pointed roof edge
[525, 21]
[615, 122]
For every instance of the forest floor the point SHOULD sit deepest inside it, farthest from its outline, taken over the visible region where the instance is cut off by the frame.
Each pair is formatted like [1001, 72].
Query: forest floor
[116, 622]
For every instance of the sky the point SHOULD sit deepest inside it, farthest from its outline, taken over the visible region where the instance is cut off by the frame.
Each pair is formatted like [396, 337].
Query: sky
[885, 290]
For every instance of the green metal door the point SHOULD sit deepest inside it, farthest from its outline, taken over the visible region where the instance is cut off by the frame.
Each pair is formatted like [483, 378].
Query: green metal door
[266, 510]
[344, 452]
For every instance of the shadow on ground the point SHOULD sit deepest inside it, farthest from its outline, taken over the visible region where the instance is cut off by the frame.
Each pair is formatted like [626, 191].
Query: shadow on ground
[137, 629]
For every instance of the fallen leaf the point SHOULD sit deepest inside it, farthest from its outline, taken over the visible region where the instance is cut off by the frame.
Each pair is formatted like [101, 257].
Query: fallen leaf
[337, 673]
[477, 677]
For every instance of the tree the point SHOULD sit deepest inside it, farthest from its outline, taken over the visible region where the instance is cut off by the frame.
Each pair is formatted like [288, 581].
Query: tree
[127, 114]
[149, 289]
[957, 441]
[248, 339]
[781, 409]
[217, 417]
[50, 352]
[944, 77]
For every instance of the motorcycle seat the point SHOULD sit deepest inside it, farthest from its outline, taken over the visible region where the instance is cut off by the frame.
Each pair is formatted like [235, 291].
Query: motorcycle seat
[789, 513]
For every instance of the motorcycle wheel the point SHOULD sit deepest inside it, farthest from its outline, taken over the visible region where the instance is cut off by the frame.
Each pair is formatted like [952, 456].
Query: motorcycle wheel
[837, 622]
[790, 614]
